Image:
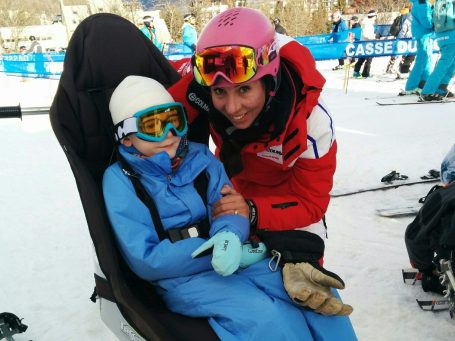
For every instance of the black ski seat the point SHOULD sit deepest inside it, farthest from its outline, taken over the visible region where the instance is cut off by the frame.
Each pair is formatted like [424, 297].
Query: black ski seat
[103, 50]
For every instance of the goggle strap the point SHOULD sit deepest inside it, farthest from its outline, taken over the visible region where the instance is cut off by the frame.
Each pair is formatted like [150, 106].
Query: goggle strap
[125, 128]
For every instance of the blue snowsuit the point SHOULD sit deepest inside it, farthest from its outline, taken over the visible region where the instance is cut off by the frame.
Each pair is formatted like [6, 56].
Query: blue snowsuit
[189, 37]
[422, 29]
[445, 68]
[251, 304]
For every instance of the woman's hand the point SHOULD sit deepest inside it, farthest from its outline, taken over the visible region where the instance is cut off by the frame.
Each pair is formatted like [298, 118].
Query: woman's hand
[232, 202]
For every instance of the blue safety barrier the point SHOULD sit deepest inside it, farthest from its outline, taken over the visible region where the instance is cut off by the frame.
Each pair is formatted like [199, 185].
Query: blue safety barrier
[36, 65]
[322, 46]
[176, 51]
[366, 48]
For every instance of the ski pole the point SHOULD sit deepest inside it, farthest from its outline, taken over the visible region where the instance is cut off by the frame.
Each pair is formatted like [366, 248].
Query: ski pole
[11, 112]
[347, 69]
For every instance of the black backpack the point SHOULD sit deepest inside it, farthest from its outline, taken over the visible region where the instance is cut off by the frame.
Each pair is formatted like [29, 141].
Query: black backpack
[103, 50]
[431, 235]
[395, 27]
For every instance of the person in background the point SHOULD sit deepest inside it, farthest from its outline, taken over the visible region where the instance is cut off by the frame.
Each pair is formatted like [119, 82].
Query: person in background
[354, 21]
[276, 139]
[338, 25]
[23, 50]
[278, 27]
[422, 30]
[189, 33]
[405, 32]
[436, 87]
[37, 50]
[35, 46]
[150, 32]
[368, 33]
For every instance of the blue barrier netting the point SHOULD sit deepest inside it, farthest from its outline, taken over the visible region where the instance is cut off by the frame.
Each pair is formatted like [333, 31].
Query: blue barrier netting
[322, 46]
[38, 65]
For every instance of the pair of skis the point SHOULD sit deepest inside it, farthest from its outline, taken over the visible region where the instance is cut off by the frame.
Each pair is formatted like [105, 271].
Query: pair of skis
[391, 180]
[408, 100]
[412, 276]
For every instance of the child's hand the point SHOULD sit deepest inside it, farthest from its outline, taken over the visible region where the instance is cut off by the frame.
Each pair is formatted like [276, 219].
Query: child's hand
[232, 202]
[227, 251]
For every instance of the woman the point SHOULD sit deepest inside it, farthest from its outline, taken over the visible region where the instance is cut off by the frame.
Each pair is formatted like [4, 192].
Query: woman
[276, 140]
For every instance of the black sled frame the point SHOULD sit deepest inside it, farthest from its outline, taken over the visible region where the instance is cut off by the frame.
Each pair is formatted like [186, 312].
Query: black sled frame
[103, 50]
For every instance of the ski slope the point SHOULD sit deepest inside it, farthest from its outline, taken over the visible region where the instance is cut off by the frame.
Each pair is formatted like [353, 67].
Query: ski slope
[46, 274]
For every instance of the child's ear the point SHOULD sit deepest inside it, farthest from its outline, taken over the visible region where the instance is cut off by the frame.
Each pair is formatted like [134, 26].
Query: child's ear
[126, 141]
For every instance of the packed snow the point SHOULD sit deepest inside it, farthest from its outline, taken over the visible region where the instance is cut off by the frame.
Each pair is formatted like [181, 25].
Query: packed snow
[46, 272]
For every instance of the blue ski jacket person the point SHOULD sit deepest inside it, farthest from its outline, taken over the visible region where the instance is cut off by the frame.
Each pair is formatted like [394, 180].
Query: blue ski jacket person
[422, 29]
[189, 33]
[250, 304]
[179, 205]
[339, 25]
[437, 83]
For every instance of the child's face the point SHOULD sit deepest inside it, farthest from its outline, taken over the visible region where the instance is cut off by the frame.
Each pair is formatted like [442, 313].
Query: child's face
[148, 148]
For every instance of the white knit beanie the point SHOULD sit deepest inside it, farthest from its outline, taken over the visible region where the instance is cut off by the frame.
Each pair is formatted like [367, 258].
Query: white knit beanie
[136, 93]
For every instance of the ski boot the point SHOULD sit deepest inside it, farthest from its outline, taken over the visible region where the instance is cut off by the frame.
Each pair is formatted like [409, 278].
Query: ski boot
[10, 324]
[415, 91]
[430, 98]
[444, 91]
[392, 176]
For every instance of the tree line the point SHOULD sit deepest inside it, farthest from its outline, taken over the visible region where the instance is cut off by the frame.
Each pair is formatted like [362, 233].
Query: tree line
[299, 17]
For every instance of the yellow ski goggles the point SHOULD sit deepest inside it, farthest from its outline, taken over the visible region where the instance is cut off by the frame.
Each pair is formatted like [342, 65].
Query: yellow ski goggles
[154, 123]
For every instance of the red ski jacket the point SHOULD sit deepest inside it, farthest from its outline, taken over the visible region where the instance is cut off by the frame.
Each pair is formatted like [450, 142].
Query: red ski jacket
[288, 179]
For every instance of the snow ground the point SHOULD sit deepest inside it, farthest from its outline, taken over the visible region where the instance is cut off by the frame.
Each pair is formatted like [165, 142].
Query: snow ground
[46, 272]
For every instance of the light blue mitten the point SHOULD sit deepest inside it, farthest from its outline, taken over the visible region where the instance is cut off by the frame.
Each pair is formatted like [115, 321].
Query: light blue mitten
[251, 255]
[227, 251]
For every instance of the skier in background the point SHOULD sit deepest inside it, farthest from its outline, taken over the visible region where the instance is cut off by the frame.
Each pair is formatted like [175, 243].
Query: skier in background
[405, 32]
[436, 87]
[189, 33]
[422, 30]
[339, 25]
[37, 51]
[278, 27]
[150, 32]
[368, 33]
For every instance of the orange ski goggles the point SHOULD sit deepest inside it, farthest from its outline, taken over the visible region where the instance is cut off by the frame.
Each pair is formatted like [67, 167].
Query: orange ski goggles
[236, 63]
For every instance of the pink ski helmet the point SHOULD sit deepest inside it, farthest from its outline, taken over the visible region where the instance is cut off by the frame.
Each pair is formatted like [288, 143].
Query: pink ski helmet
[236, 46]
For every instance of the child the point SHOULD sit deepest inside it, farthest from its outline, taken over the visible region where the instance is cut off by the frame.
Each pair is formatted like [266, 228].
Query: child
[248, 304]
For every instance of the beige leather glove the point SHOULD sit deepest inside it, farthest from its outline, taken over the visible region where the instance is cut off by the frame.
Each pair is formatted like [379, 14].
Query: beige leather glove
[309, 285]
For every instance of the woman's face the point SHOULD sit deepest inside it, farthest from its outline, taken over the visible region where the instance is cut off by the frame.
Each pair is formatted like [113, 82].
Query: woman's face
[241, 104]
